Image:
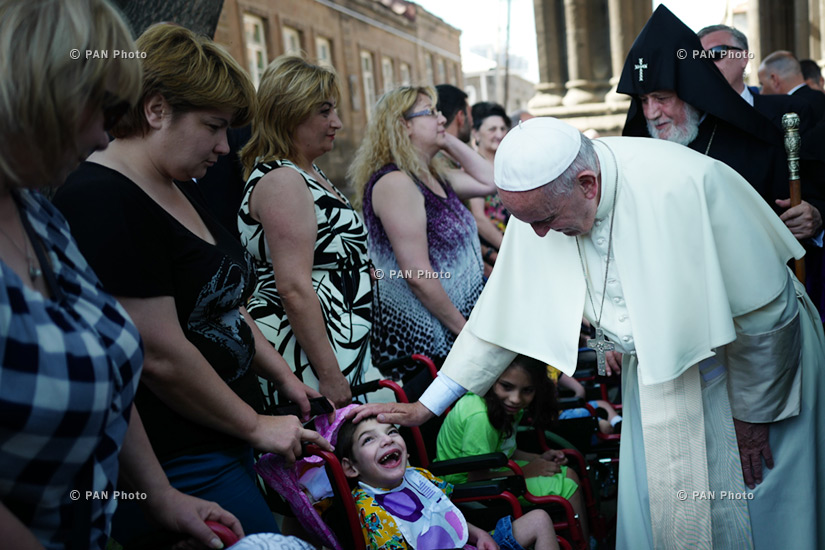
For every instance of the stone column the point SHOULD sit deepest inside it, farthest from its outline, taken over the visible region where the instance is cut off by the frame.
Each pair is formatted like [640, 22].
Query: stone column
[580, 86]
[552, 60]
[627, 17]
[818, 54]
[801, 29]
[815, 38]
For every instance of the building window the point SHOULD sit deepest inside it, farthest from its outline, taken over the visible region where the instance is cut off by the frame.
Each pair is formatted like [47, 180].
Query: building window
[292, 41]
[368, 81]
[355, 99]
[387, 73]
[255, 46]
[323, 51]
[406, 77]
[472, 94]
[428, 66]
[442, 72]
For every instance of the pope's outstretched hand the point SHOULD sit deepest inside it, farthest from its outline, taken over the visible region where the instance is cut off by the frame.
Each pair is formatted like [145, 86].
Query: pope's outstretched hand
[404, 414]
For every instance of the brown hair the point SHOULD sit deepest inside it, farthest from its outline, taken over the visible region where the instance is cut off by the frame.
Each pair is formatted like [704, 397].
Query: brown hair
[543, 410]
[344, 441]
[191, 72]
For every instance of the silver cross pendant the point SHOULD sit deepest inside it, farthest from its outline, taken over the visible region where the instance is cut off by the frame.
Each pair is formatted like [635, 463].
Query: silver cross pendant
[600, 345]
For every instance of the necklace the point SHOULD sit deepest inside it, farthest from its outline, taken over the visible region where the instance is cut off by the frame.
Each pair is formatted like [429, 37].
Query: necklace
[599, 344]
[710, 141]
[34, 271]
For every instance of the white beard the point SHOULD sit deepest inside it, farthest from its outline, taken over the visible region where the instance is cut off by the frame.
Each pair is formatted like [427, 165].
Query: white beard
[682, 134]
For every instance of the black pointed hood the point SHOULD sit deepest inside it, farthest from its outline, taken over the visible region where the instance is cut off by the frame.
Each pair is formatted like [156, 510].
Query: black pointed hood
[667, 55]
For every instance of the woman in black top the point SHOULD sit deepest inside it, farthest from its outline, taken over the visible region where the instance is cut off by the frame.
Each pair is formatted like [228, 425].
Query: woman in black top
[184, 279]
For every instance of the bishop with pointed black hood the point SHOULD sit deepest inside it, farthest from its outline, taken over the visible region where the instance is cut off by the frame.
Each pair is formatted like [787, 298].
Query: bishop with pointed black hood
[668, 56]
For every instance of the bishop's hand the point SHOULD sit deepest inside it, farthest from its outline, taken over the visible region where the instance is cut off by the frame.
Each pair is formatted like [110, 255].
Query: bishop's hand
[803, 220]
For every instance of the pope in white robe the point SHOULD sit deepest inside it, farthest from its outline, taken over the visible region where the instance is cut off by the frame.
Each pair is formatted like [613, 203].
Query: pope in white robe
[683, 266]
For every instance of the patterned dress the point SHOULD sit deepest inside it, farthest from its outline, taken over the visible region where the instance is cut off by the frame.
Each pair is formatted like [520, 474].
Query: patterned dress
[340, 277]
[403, 325]
[494, 209]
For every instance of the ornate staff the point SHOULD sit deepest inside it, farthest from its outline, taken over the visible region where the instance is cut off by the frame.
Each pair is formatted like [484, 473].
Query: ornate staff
[790, 122]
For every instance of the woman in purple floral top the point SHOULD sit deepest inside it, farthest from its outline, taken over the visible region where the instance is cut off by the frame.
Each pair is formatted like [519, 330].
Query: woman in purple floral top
[423, 241]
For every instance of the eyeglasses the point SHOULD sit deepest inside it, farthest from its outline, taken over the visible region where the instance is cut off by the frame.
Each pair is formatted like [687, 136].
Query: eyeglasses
[721, 51]
[425, 112]
[113, 110]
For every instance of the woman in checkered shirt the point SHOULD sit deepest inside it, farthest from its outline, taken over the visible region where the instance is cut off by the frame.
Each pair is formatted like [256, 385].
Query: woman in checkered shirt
[70, 357]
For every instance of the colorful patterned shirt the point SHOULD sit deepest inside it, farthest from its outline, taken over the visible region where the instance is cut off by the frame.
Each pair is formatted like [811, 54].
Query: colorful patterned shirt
[379, 527]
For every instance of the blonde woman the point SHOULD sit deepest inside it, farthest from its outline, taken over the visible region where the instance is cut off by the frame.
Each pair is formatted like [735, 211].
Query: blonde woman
[70, 357]
[313, 295]
[421, 237]
[184, 279]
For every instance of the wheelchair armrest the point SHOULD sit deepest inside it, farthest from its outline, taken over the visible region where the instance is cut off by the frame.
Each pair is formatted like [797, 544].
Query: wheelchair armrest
[574, 456]
[366, 387]
[488, 487]
[586, 360]
[408, 366]
[375, 385]
[571, 402]
[468, 463]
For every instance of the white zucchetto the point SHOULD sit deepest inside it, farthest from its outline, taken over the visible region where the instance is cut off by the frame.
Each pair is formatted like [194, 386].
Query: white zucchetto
[534, 153]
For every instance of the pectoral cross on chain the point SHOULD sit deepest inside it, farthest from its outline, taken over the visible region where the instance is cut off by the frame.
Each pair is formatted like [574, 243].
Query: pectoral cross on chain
[640, 67]
[600, 345]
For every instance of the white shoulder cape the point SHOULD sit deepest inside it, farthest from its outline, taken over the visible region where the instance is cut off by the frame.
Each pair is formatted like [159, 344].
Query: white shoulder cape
[695, 246]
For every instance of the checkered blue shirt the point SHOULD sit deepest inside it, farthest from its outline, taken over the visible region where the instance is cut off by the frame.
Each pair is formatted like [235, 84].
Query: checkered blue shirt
[69, 369]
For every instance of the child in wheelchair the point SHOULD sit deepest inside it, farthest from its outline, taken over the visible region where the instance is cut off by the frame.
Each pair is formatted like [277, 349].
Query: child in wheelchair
[402, 507]
[486, 424]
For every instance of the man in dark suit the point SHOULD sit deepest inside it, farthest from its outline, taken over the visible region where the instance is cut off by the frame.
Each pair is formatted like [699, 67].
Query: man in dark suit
[780, 73]
[812, 74]
[728, 48]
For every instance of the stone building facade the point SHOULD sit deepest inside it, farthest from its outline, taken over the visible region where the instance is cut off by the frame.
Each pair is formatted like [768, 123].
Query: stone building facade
[374, 45]
[487, 86]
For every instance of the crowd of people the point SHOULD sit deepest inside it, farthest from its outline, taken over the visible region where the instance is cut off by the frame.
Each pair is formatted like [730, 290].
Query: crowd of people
[148, 347]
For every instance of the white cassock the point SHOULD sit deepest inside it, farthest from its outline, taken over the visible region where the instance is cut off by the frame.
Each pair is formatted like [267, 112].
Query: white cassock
[710, 319]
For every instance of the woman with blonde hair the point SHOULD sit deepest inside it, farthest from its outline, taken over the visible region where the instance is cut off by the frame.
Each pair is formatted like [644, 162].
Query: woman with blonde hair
[184, 280]
[421, 238]
[70, 357]
[313, 296]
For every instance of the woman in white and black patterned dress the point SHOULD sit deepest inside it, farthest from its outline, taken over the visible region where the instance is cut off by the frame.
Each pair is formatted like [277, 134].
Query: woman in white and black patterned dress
[313, 296]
